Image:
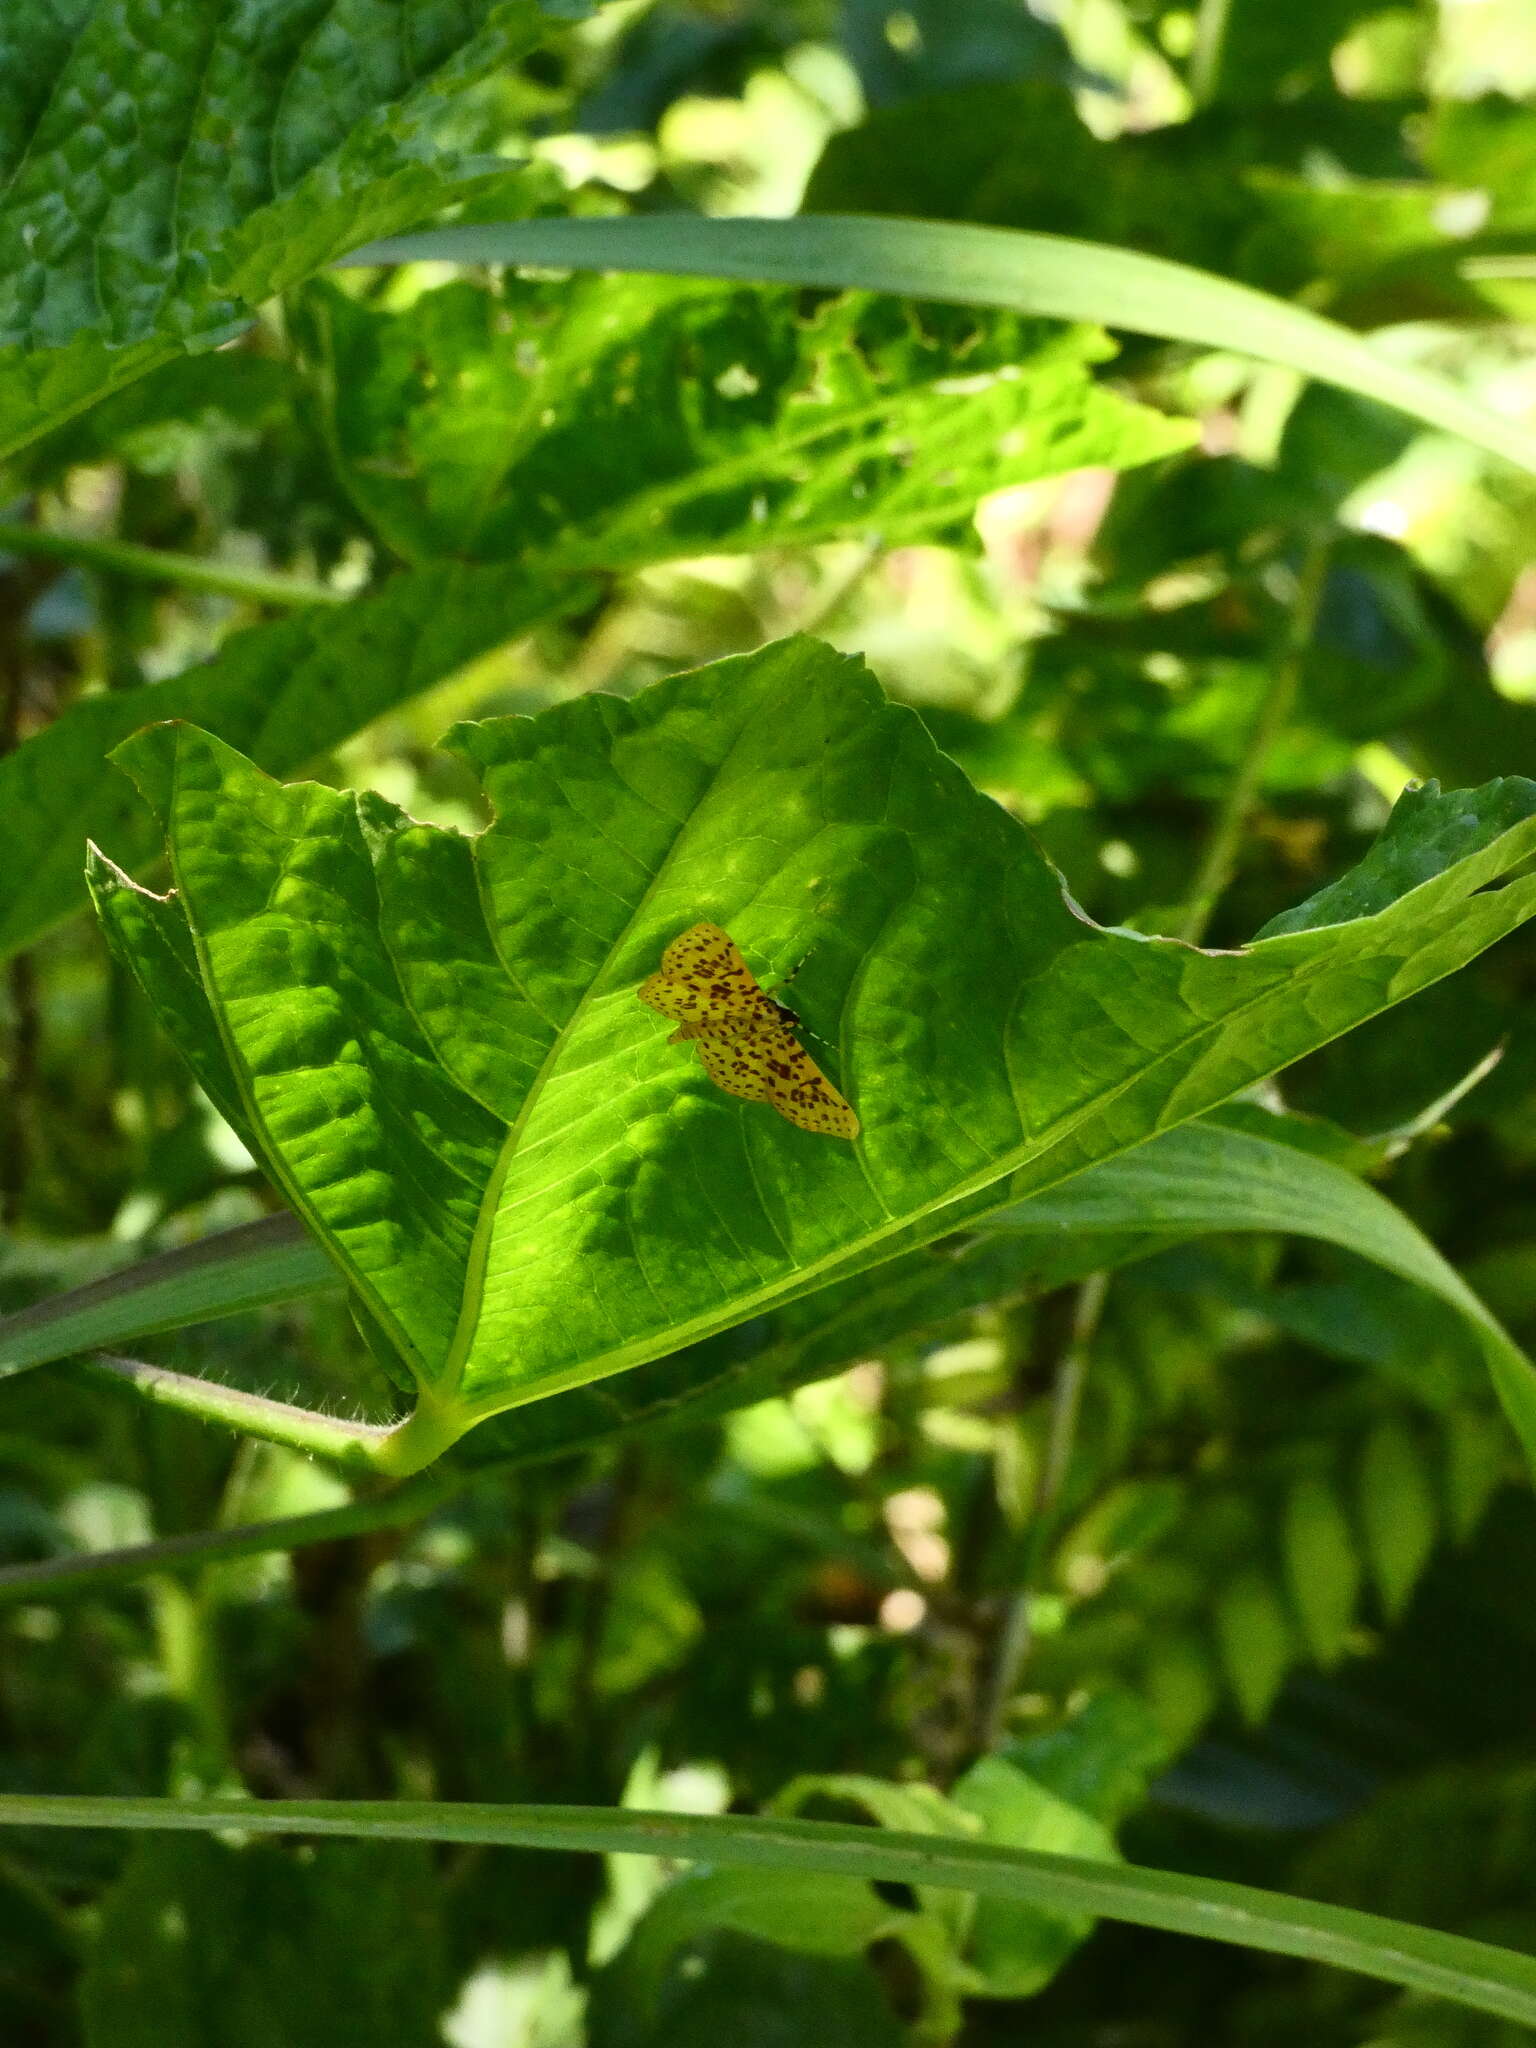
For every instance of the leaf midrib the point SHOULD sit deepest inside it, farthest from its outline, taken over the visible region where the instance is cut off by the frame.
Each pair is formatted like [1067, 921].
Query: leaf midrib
[490, 1206]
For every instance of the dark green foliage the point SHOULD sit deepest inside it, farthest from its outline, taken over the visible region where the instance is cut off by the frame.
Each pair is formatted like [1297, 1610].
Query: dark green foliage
[1111, 1455]
[205, 1946]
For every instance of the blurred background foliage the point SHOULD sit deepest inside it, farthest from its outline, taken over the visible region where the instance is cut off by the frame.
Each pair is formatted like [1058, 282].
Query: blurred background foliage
[1228, 1555]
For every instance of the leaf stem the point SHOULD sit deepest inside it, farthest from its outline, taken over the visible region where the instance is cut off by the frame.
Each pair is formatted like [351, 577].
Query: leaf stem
[54, 1578]
[357, 1445]
[1219, 858]
[160, 565]
[396, 1449]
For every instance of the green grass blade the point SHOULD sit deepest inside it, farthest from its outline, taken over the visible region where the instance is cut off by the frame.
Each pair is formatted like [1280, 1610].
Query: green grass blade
[1032, 273]
[1470, 1973]
[253, 1266]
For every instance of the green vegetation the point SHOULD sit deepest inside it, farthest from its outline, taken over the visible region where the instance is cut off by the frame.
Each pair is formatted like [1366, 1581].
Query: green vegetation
[1022, 515]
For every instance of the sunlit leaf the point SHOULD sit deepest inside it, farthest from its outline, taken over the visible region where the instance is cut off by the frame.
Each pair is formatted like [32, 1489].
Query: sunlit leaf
[437, 1043]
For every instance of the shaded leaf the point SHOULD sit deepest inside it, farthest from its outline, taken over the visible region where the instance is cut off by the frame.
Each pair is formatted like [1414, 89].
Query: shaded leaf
[1397, 1511]
[1473, 1469]
[1322, 1569]
[605, 424]
[1254, 1637]
[1017, 1950]
[751, 1956]
[1428, 829]
[203, 1946]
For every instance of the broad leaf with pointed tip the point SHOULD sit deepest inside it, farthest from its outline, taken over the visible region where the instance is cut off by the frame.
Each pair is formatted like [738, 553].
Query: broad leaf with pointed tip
[438, 1045]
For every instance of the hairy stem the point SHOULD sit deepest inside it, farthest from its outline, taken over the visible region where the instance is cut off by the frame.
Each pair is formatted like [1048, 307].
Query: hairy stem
[355, 1444]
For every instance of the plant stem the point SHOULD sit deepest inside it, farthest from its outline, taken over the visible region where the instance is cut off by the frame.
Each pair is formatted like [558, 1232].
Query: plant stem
[56, 1577]
[396, 1449]
[1219, 858]
[1207, 59]
[1014, 1636]
[159, 565]
[355, 1444]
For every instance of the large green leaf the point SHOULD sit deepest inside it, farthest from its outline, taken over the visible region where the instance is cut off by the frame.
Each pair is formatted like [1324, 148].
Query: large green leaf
[1472, 1973]
[1032, 273]
[166, 172]
[437, 1043]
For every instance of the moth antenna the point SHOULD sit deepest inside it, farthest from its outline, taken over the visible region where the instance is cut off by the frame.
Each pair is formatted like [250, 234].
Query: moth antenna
[785, 979]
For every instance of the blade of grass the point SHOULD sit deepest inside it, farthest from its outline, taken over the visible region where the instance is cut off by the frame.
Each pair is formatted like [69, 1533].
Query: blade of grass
[249, 1267]
[1051, 275]
[1470, 1973]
